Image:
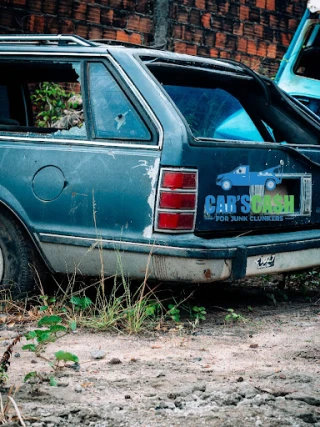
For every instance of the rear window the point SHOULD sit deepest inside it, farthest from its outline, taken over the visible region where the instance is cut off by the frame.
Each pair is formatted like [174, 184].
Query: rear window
[213, 113]
[214, 102]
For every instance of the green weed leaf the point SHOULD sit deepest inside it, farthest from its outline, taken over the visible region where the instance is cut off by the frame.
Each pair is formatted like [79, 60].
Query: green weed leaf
[43, 336]
[73, 325]
[30, 347]
[31, 335]
[81, 302]
[30, 375]
[53, 381]
[49, 320]
[66, 356]
[57, 328]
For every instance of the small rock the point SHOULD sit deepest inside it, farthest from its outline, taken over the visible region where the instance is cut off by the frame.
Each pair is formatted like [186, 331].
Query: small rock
[62, 384]
[45, 414]
[78, 388]
[310, 400]
[172, 396]
[240, 380]
[17, 355]
[98, 354]
[75, 367]
[115, 361]
[199, 387]
[166, 405]
[160, 374]
[12, 424]
[254, 345]
[127, 396]
[282, 376]
[247, 390]
[33, 361]
[5, 343]
[53, 419]
[190, 398]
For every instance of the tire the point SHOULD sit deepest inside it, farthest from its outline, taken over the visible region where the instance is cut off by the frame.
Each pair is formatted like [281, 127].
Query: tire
[270, 184]
[226, 185]
[19, 261]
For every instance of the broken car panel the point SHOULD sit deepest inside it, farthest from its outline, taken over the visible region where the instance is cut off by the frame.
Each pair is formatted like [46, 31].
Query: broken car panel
[299, 73]
[150, 163]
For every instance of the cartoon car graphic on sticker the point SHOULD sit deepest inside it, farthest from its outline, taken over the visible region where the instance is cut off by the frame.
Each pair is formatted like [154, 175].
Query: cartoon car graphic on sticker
[241, 176]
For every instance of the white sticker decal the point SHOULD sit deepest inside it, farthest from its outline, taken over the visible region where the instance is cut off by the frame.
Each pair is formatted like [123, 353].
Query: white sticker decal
[265, 261]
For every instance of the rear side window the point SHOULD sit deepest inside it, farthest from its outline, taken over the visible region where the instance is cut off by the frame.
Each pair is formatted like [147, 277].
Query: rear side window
[213, 113]
[113, 114]
[45, 98]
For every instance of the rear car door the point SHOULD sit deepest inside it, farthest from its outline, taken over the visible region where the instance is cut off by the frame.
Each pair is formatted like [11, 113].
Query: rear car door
[79, 153]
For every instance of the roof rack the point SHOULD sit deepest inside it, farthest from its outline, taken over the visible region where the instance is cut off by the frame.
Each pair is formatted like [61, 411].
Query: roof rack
[60, 39]
[127, 44]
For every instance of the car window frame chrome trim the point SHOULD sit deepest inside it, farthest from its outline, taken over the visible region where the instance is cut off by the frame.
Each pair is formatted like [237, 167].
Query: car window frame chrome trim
[122, 73]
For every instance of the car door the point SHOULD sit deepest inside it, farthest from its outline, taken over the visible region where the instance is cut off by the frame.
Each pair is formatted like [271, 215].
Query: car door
[86, 171]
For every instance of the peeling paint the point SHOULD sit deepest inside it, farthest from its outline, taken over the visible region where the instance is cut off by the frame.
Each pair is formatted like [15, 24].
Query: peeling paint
[152, 172]
[141, 163]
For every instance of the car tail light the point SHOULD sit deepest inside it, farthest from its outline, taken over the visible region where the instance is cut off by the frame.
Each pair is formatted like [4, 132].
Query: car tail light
[177, 200]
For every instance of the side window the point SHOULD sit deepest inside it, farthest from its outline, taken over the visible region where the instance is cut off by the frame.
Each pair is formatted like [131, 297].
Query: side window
[113, 114]
[214, 113]
[45, 99]
[308, 59]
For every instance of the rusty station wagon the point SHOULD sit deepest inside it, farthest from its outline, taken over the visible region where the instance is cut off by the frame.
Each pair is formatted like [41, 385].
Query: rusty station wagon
[111, 152]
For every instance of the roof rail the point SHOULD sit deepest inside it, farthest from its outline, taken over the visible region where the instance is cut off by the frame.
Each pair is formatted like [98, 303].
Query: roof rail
[60, 39]
[127, 44]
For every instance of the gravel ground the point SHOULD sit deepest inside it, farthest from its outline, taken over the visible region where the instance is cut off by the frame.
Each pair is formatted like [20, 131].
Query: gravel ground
[262, 372]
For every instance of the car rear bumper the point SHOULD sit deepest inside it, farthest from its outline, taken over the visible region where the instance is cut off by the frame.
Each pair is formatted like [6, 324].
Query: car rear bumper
[193, 260]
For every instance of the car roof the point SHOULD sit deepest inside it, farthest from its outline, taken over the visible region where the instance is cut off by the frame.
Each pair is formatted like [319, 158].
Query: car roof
[69, 43]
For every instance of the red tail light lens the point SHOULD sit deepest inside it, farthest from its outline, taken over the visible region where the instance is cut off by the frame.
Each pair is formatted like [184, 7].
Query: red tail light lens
[177, 200]
[179, 180]
[175, 221]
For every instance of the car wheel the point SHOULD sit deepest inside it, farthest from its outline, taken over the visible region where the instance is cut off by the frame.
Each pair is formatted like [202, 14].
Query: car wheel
[270, 184]
[19, 262]
[226, 184]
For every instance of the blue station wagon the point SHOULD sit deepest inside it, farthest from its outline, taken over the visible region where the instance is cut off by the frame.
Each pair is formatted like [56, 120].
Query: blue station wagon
[109, 158]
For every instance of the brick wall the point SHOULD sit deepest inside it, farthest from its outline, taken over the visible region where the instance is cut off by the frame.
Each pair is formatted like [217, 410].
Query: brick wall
[256, 32]
[125, 20]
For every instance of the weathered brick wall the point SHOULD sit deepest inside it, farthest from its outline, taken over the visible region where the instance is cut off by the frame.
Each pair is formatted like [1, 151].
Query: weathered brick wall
[256, 32]
[125, 20]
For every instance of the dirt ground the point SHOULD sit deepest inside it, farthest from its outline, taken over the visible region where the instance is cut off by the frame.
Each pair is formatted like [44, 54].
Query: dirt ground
[262, 372]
